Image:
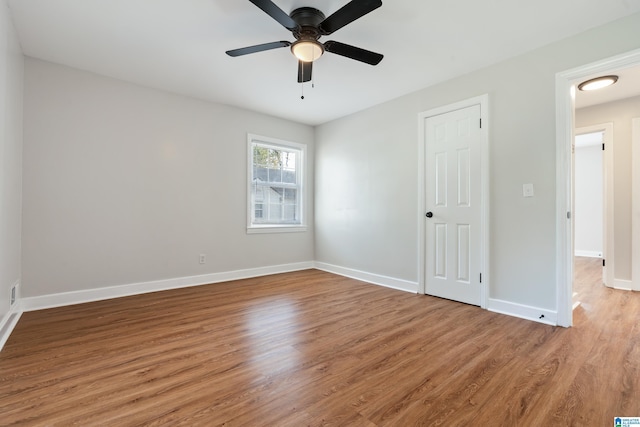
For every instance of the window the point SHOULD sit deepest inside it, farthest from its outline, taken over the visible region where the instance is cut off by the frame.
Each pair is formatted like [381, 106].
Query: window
[275, 194]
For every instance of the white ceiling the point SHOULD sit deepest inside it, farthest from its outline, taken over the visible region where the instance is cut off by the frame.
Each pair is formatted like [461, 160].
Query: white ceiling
[179, 46]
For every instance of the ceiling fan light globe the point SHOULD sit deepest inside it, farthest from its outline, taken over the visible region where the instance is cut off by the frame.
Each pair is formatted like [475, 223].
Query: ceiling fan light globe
[307, 50]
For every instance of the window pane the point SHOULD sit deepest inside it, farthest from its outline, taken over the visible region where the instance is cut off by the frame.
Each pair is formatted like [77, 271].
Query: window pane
[289, 160]
[289, 176]
[290, 195]
[275, 175]
[258, 193]
[260, 155]
[290, 213]
[259, 173]
[275, 213]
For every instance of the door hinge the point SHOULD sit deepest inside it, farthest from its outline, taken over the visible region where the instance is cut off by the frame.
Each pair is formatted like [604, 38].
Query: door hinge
[603, 146]
[480, 123]
[568, 215]
[480, 277]
[603, 262]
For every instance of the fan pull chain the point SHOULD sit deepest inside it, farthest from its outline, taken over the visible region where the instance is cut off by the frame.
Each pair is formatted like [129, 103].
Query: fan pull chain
[313, 85]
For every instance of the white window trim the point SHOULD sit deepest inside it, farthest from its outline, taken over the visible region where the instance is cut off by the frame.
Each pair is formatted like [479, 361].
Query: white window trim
[276, 228]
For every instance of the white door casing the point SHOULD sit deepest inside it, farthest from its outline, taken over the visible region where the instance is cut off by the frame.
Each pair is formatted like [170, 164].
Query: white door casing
[454, 236]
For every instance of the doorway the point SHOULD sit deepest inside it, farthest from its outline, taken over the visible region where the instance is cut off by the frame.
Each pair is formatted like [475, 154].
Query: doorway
[594, 148]
[593, 211]
[565, 119]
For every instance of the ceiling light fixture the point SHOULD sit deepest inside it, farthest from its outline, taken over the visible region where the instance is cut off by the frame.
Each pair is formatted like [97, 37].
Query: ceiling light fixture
[598, 83]
[307, 50]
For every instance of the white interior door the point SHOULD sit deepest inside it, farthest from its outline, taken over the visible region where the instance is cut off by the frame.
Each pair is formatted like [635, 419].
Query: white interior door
[588, 208]
[606, 177]
[453, 203]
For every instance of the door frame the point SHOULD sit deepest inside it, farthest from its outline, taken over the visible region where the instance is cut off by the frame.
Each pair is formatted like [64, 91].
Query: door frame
[565, 120]
[607, 197]
[483, 101]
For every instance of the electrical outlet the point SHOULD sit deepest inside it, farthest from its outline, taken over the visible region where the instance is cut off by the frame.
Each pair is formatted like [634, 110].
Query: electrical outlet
[14, 294]
[203, 258]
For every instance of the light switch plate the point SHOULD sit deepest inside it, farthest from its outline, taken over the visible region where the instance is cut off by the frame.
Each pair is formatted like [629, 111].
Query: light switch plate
[527, 190]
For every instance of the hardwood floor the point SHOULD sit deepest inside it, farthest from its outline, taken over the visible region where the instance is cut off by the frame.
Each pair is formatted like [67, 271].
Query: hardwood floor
[312, 348]
[587, 278]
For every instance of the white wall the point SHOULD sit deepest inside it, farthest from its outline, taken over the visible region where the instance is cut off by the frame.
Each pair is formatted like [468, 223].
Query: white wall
[620, 113]
[125, 184]
[11, 71]
[588, 194]
[367, 170]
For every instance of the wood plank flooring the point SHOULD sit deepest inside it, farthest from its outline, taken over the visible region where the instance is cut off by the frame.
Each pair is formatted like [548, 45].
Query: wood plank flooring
[312, 348]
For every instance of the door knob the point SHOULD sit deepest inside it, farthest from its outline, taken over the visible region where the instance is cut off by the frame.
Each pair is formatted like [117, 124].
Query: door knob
[429, 214]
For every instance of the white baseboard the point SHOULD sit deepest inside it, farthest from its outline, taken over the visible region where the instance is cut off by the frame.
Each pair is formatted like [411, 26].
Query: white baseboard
[90, 295]
[376, 279]
[623, 285]
[9, 322]
[589, 254]
[522, 311]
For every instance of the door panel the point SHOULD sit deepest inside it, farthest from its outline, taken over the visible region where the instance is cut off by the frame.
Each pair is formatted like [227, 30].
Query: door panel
[464, 253]
[440, 251]
[453, 186]
[441, 179]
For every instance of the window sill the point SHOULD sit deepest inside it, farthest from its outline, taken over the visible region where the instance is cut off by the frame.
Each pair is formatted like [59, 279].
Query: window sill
[259, 229]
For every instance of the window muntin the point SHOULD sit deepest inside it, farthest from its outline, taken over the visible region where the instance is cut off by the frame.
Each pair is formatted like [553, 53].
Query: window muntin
[275, 184]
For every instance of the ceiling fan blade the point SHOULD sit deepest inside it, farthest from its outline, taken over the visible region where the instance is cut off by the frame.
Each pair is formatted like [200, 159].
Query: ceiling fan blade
[257, 48]
[304, 71]
[348, 13]
[353, 52]
[276, 13]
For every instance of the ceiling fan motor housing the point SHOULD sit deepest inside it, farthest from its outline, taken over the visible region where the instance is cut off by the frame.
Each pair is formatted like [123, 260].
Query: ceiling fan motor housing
[308, 20]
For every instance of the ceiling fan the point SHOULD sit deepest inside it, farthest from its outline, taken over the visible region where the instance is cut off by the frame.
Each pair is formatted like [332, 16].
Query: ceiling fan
[307, 25]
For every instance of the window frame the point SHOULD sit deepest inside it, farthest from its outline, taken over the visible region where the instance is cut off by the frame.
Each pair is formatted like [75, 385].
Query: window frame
[301, 185]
